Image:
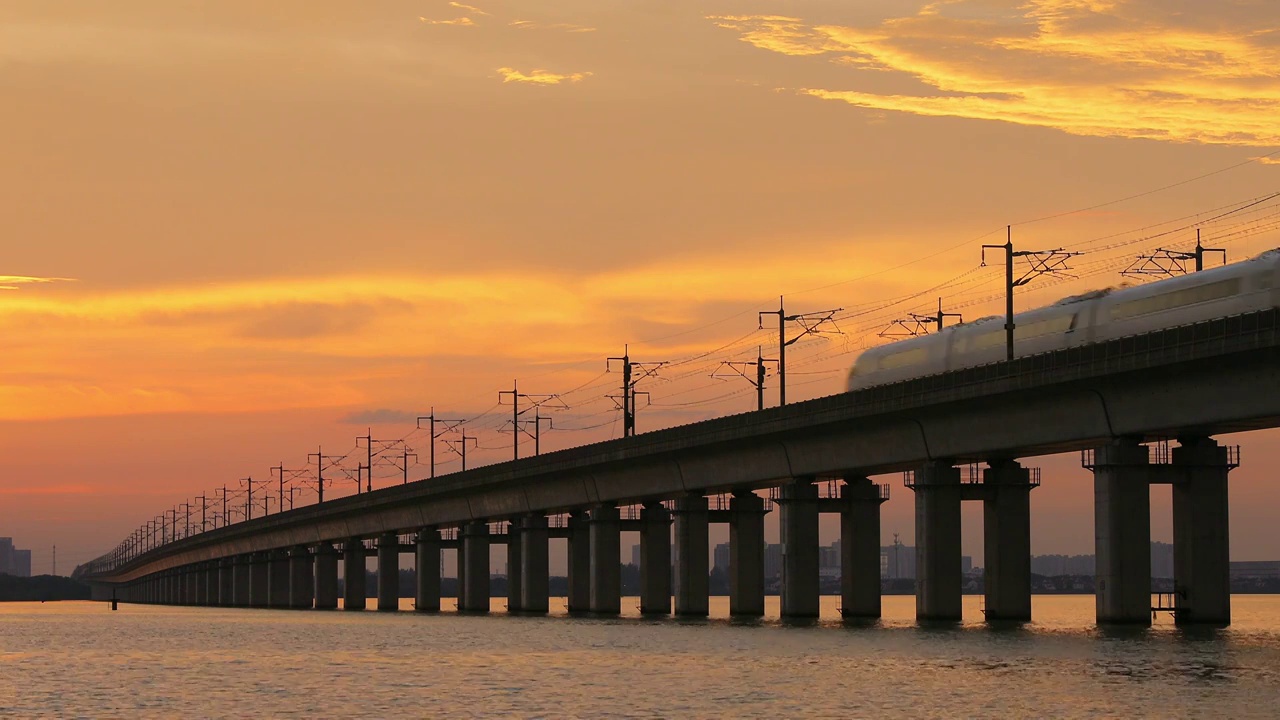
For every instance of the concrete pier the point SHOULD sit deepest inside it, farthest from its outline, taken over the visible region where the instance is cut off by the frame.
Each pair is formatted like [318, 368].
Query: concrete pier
[202, 572]
[1201, 537]
[427, 564]
[461, 565]
[226, 583]
[938, 574]
[1122, 532]
[353, 561]
[534, 569]
[692, 571]
[798, 501]
[655, 560]
[302, 582]
[1006, 525]
[388, 572]
[515, 569]
[278, 579]
[606, 563]
[242, 574]
[579, 597]
[326, 572]
[260, 580]
[860, 548]
[475, 556]
[746, 554]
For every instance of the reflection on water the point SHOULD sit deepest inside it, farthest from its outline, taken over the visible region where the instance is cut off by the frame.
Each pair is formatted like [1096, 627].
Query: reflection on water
[80, 659]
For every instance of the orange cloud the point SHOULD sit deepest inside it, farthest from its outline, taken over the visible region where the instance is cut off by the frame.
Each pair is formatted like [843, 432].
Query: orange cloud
[455, 21]
[1122, 68]
[566, 27]
[540, 76]
[12, 282]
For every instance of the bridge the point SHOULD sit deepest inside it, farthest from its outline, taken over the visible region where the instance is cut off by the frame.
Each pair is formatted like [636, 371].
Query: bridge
[1118, 403]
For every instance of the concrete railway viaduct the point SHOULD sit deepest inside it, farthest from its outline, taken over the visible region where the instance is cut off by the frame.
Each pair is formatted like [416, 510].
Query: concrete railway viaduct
[1110, 401]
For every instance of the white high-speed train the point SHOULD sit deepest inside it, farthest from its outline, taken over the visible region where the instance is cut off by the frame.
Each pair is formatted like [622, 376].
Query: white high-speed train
[1092, 317]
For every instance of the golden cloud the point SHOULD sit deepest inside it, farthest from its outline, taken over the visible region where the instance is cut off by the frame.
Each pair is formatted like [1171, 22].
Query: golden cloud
[540, 76]
[469, 8]
[565, 27]
[1112, 68]
[12, 282]
[456, 21]
[356, 341]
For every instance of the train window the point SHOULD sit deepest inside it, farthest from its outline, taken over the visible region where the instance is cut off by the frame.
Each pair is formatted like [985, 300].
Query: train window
[1176, 299]
[983, 341]
[1044, 327]
[903, 359]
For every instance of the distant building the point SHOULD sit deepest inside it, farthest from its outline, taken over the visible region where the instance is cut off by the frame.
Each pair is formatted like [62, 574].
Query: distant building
[898, 562]
[1161, 560]
[829, 560]
[721, 555]
[21, 563]
[1255, 570]
[14, 561]
[772, 562]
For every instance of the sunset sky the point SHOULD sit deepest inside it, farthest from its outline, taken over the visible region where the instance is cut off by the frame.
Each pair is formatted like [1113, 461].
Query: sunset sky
[239, 231]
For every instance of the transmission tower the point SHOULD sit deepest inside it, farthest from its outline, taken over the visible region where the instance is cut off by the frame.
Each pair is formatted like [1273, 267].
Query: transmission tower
[448, 426]
[916, 324]
[632, 374]
[756, 377]
[1039, 262]
[1170, 263]
[810, 324]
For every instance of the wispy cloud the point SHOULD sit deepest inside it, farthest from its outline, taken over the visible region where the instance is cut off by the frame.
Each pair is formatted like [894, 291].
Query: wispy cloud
[455, 21]
[381, 416]
[13, 282]
[539, 76]
[469, 8]
[1121, 68]
[564, 27]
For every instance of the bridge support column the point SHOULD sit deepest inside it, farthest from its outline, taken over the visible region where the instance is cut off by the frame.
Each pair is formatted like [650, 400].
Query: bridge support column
[326, 576]
[1006, 527]
[1122, 532]
[203, 571]
[606, 562]
[427, 565]
[353, 561]
[189, 585]
[692, 574]
[1201, 558]
[860, 548]
[799, 520]
[278, 582]
[388, 572]
[746, 554]
[460, 556]
[655, 560]
[579, 562]
[938, 575]
[475, 551]
[534, 570]
[260, 580]
[242, 569]
[515, 568]
[302, 581]
[226, 583]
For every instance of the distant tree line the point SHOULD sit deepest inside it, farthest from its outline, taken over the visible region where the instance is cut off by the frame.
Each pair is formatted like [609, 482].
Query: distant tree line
[41, 588]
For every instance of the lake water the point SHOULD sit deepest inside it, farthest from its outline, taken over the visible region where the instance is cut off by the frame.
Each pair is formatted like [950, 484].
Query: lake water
[82, 660]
